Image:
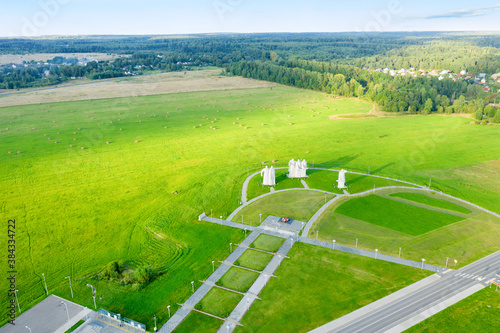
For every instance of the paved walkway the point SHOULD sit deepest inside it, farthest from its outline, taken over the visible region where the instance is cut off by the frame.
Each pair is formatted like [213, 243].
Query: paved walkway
[202, 291]
[246, 302]
[369, 254]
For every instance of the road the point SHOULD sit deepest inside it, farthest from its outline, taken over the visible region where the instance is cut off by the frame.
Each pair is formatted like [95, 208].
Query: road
[407, 306]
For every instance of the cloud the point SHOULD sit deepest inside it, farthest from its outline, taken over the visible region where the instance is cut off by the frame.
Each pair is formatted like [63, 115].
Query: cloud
[471, 12]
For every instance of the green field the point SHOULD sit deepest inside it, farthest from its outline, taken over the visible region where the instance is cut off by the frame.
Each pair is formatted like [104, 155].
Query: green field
[395, 215]
[137, 198]
[317, 285]
[268, 243]
[219, 302]
[430, 201]
[254, 260]
[238, 279]
[197, 322]
[477, 313]
[467, 240]
[299, 205]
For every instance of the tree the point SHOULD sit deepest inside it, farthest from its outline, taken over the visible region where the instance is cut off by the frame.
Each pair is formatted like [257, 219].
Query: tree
[479, 114]
[428, 106]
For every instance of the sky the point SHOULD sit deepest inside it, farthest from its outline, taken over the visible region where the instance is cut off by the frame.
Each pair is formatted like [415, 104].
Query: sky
[165, 17]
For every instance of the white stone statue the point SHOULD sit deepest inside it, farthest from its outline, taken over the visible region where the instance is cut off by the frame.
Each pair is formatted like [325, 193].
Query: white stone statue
[341, 180]
[269, 176]
[272, 176]
[291, 168]
[297, 169]
[304, 169]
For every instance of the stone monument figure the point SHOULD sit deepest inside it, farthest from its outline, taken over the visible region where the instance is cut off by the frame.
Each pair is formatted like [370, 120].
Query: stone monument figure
[272, 176]
[341, 180]
[297, 169]
[291, 167]
[269, 177]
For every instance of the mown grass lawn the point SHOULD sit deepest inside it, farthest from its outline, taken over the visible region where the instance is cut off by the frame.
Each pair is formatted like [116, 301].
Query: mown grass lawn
[395, 215]
[268, 243]
[465, 241]
[199, 323]
[219, 302]
[317, 285]
[476, 313]
[430, 201]
[299, 205]
[254, 260]
[238, 279]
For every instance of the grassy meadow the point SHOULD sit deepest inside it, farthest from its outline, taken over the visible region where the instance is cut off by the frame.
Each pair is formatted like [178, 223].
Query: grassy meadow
[141, 169]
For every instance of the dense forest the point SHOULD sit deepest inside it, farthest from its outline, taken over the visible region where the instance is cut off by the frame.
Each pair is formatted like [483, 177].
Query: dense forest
[346, 64]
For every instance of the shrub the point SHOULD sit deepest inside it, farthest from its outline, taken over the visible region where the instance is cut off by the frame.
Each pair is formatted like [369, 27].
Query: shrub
[144, 275]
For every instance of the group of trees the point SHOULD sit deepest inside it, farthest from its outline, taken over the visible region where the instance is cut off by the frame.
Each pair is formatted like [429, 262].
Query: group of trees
[393, 94]
[117, 271]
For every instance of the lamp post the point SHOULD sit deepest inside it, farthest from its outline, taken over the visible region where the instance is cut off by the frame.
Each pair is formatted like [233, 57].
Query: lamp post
[192, 286]
[93, 293]
[356, 243]
[245, 232]
[248, 303]
[325, 197]
[399, 256]
[241, 219]
[154, 316]
[211, 211]
[18, 306]
[213, 266]
[446, 265]
[67, 312]
[423, 260]
[168, 308]
[317, 231]
[376, 252]
[333, 244]
[28, 328]
[231, 246]
[70, 287]
[455, 264]
[45, 282]
[260, 218]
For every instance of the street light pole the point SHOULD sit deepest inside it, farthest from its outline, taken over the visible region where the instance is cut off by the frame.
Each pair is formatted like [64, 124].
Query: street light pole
[455, 264]
[317, 231]
[192, 286]
[446, 265]
[231, 247]
[260, 218]
[70, 287]
[376, 252]
[245, 232]
[155, 321]
[356, 243]
[423, 260]
[333, 245]
[18, 306]
[211, 211]
[28, 328]
[67, 312]
[168, 308]
[93, 293]
[241, 219]
[399, 256]
[45, 282]
[213, 266]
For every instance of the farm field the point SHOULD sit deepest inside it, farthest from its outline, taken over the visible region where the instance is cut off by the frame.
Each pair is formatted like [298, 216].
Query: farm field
[476, 313]
[386, 224]
[148, 169]
[317, 285]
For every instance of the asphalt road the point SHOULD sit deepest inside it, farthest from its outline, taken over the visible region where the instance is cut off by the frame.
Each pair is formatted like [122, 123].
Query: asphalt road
[386, 317]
